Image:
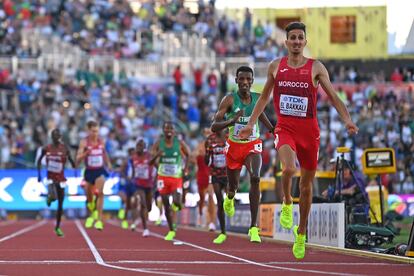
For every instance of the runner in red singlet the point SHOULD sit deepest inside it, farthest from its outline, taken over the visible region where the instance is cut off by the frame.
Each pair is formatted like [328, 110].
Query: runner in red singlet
[144, 178]
[216, 158]
[56, 155]
[203, 183]
[92, 152]
[294, 81]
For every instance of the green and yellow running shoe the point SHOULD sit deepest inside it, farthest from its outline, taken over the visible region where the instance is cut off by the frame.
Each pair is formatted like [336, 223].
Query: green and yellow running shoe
[99, 225]
[228, 206]
[299, 244]
[158, 221]
[59, 232]
[254, 234]
[220, 239]
[170, 236]
[286, 216]
[121, 214]
[124, 224]
[91, 206]
[175, 208]
[89, 222]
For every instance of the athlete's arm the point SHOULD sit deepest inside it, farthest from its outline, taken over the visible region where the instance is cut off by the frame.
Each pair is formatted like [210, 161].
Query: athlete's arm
[321, 75]
[39, 164]
[107, 160]
[224, 107]
[263, 118]
[72, 162]
[155, 152]
[185, 150]
[82, 153]
[207, 156]
[262, 101]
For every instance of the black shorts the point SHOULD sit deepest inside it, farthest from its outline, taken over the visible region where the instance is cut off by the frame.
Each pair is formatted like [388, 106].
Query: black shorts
[91, 175]
[220, 180]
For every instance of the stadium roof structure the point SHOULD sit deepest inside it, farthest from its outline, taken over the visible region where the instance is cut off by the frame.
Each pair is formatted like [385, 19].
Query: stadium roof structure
[409, 45]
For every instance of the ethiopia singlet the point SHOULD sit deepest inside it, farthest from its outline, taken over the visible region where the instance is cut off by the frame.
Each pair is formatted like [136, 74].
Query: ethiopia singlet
[294, 96]
[143, 170]
[55, 162]
[95, 159]
[170, 161]
[243, 120]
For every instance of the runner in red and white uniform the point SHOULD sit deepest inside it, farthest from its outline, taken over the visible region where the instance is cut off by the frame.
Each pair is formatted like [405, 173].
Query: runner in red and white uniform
[204, 185]
[92, 152]
[143, 172]
[294, 81]
[56, 155]
[215, 146]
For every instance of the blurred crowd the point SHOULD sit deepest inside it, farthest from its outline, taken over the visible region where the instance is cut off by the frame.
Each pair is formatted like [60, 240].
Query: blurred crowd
[122, 30]
[35, 102]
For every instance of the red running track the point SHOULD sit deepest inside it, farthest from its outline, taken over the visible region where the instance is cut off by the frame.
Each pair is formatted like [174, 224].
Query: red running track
[32, 248]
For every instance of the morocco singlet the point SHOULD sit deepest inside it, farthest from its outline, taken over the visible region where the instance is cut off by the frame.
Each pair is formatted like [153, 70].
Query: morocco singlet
[237, 150]
[294, 98]
[55, 162]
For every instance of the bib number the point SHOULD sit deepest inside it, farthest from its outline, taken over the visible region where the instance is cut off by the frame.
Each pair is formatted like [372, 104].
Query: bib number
[258, 147]
[293, 105]
[169, 169]
[95, 161]
[219, 160]
[160, 184]
[142, 172]
[238, 127]
[55, 167]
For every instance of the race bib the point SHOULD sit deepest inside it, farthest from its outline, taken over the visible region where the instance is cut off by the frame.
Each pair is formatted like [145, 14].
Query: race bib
[219, 160]
[293, 105]
[238, 127]
[160, 184]
[54, 166]
[95, 161]
[169, 169]
[142, 172]
[258, 147]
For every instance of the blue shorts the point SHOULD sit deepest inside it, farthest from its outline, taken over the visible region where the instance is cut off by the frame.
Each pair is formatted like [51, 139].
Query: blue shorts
[128, 189]
[91, 175]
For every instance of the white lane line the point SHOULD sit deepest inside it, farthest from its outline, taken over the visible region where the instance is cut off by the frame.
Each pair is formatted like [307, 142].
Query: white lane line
[22, 231]
[100, 260]
[47, 262]
[155, 262]
[256, 263]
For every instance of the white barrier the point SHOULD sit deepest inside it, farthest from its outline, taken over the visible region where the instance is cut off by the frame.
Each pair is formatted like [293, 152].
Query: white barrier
[326, 224]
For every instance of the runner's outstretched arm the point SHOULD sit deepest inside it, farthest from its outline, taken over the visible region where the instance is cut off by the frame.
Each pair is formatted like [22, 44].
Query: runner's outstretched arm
[225, 105]
[322, 76]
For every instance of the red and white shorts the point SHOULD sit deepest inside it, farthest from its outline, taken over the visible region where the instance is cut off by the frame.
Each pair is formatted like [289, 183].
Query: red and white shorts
[168, 185]
[236, 153]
